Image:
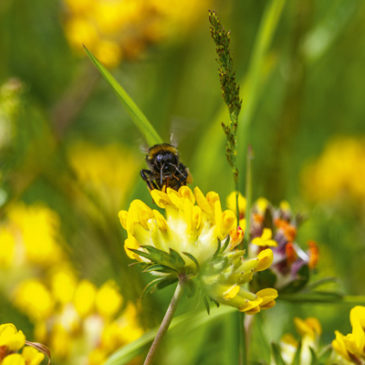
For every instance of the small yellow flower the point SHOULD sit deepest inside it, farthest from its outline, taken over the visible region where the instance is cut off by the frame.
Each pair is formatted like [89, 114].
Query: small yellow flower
[11, 342]
[265, 239]
[12, 339]
[32, 356]
[352, 346]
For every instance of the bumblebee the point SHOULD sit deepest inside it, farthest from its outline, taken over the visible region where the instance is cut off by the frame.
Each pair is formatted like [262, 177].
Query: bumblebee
[165, 169]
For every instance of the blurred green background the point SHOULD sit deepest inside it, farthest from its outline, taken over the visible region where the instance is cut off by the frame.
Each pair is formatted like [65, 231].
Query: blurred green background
[300, 65]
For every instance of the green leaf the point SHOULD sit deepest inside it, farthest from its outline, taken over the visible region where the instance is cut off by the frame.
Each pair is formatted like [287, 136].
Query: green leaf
[296, 360]
[160, 268]
[275, 348]
[139, 119]
[314, 360]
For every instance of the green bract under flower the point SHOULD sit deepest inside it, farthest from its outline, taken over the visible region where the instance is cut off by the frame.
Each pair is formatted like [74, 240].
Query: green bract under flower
[196, 238]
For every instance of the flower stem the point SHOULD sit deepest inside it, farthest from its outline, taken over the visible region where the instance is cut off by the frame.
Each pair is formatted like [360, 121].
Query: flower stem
[165, 323]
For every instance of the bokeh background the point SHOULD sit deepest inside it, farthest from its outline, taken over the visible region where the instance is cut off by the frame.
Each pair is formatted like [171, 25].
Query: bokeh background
[70, 154]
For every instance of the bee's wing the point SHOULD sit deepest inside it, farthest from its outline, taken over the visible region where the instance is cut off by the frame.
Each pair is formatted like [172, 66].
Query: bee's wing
[143, 146]
[180, 128]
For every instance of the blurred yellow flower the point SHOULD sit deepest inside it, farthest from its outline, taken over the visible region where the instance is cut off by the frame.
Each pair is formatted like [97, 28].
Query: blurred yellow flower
[108, 171]
[310, 330]
[338, 173]
[108, 300]
[34, 299]
[12, 341]
[36, 233]
[352, 346]
[121, 29]
[84, 325]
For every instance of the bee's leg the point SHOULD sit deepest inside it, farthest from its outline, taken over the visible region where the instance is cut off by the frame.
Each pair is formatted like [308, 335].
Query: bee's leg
[161, 175]
[147, 177]
[182, 172]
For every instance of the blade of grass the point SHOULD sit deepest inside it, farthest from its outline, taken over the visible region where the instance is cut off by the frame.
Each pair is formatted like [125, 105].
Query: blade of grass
[128, 352]
[140, 120]
[261, 65]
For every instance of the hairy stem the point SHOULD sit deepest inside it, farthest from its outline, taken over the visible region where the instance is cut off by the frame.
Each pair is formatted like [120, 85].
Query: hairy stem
[165, 323]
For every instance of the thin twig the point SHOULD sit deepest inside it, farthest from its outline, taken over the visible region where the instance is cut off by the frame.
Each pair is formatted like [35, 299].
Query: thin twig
[165, 323]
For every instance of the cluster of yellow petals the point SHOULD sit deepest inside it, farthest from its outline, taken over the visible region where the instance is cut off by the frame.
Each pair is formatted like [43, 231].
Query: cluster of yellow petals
[194, 223]
[121, 29]
[70, 315]
[265, 239]
[30, 236]
[339, 172]
[227, 285]
[352, 346]
[11, 342]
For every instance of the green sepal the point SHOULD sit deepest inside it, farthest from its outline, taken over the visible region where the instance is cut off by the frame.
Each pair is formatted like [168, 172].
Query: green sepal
[207, 305]
[159, 268]
[151, 286]
[192, 258]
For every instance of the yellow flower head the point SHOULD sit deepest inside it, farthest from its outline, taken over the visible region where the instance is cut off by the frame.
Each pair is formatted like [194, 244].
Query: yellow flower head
[194, 224]
[352, 346]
